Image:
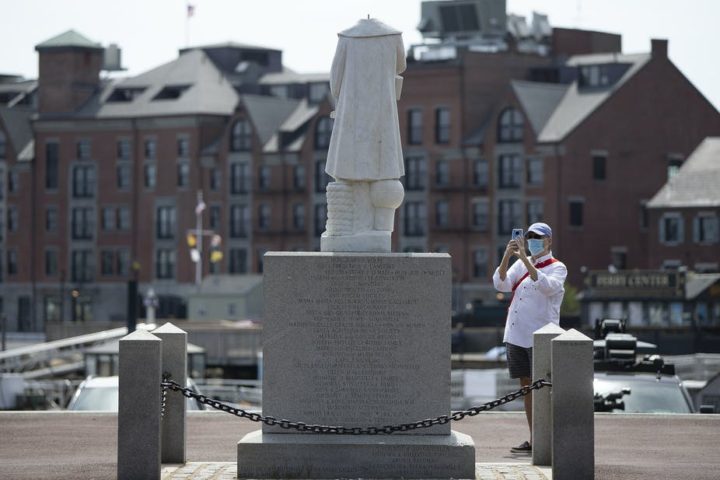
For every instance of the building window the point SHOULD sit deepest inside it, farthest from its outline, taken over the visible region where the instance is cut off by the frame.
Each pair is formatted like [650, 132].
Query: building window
[241, 140]
[81, 309]
[593, 76]
[239, 220]
[442, 213]
[618, 258]
[599, 162]
[264, 174]
[150, 149]
[215, 216]
[509, 216]
[165, 222]
[705, 228]
[165, 263]
[672, 228]
[535, 175]
[480, 173]
[123, 218]
[238, 260]
[415, 219]
[52, 306]
[12, 219]
[239, 180]
[673, 166]
[83, 150]
[2, 183]
[535, 211]
[318, 91]
[183, 147]
[321, 177]
[123, 174]
[442, 125]
[480, 262]
[52, 166]
[299, 216]
[51, 219]
[414, 126]
[481, 215]
[183, 174]
[442, 173]
[150, 174]
[264, 216]
[3, 145]
[576, 213]
[510, 126]
[320, 218]
[108, 219]
[509, 171]
[299, 177]
[123, 149]
[215, 179]
[83, 223]
[84, 181]
[82, 266]
[107, 262]
[323, 132]
[415, 173]
[13, 181]
[12, 262]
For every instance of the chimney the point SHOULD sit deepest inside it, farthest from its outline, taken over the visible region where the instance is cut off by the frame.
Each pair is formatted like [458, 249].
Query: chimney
[68, 72]
[659, 48]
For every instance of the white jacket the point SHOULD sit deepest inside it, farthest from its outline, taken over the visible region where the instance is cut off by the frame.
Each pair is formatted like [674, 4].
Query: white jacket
[535, 303]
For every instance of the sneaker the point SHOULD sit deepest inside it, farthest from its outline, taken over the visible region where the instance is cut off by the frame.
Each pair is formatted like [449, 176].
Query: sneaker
[524, 447]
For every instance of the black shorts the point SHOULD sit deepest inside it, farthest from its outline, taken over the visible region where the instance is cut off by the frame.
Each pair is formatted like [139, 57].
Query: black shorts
[519, 360]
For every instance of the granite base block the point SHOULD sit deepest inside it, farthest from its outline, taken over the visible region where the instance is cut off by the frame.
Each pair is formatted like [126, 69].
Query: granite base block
[305, 456]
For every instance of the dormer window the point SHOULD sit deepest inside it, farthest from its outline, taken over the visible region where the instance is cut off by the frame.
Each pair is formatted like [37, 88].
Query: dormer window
[593, 76]
[510, 126]
[171, 92]
[241, 140]
[122, 94]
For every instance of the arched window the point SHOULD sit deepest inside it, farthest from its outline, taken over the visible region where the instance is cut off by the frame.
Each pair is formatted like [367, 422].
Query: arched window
[323, 131]
[3, 143]
[241, 140]
[510, 126]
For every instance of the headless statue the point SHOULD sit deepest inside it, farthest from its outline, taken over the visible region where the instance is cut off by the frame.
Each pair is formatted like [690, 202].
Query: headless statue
[365, 154]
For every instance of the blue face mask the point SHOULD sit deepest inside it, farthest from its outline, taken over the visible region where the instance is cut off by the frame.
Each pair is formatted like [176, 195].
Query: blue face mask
[536, 245]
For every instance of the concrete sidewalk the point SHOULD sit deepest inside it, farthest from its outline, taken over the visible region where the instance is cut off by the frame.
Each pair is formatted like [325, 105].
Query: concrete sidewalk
[69, 445]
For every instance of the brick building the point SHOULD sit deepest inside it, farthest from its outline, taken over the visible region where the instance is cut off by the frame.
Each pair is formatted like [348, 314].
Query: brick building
[502, 126]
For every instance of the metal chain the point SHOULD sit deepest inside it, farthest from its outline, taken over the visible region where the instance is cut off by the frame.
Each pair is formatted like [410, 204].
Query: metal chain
[387, 429]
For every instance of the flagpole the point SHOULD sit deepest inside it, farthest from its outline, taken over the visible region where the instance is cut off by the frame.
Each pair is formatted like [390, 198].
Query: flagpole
[199, 236]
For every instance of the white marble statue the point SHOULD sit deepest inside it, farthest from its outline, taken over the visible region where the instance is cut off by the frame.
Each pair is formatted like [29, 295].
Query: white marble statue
[365, 155]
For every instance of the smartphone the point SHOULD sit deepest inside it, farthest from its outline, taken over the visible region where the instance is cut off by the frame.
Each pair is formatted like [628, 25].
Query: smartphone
[517, 233]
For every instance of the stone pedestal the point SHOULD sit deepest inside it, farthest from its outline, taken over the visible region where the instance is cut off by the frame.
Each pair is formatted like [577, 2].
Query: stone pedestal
[356, 340]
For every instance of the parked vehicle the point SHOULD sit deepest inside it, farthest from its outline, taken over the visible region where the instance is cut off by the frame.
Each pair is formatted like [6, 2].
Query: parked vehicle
[101, 394]
[624, 384]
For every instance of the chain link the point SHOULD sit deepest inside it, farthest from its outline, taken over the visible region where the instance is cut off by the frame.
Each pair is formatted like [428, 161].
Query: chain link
[387, 429]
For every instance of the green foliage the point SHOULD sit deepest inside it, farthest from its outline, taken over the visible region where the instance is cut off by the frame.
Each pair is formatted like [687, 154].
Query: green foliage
[570, 305]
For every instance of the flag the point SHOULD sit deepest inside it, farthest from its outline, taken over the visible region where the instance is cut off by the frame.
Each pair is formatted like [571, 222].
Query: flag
[190, 10]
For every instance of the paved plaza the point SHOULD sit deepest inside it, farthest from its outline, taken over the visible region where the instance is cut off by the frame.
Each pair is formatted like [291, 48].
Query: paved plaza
[63, 445]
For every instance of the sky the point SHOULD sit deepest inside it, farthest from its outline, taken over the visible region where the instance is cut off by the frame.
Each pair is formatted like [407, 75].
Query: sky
[150, 32]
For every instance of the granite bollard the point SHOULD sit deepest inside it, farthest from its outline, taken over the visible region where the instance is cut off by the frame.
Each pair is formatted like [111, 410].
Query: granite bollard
[174, 363]
[573, 432]
[541, 399]
[138, 454]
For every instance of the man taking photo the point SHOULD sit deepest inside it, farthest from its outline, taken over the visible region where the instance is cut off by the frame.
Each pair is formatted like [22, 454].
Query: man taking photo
[536, 283]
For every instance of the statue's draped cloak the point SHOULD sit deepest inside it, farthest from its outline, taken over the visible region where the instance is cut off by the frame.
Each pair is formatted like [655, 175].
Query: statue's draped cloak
[365, 142]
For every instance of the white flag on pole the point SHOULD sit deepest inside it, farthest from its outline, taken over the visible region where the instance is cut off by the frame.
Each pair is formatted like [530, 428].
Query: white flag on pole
[200, 207]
